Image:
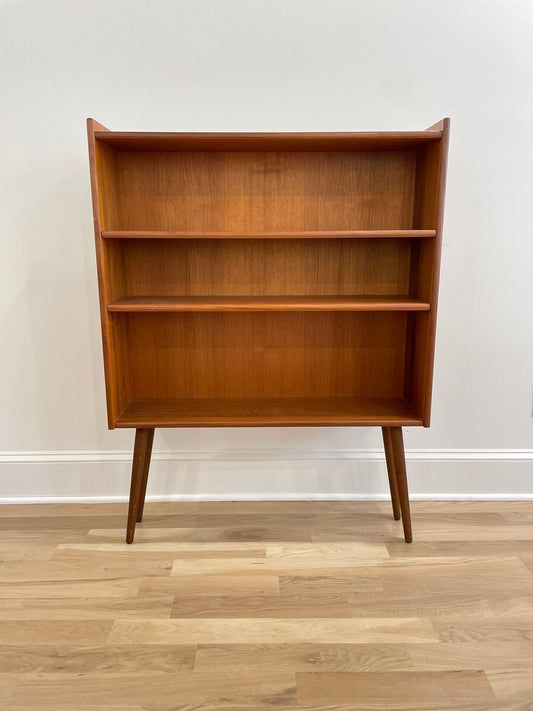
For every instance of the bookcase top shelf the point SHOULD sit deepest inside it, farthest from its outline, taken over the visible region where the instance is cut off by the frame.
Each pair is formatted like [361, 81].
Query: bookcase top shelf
[286, 234]
[384, 140]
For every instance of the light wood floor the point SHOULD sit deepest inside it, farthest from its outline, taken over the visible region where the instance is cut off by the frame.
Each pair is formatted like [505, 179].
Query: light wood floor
[311, 605]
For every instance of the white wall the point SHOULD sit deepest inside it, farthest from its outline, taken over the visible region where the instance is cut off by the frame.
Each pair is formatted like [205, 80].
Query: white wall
[264, 65]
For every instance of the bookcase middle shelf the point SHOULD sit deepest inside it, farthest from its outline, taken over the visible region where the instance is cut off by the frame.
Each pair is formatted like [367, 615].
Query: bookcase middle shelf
[267, 303]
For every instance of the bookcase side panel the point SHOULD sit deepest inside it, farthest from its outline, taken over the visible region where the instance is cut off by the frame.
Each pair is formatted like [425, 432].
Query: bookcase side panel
[432, 315]
[110, 273]
[428, 211]
[427, 179]
[417, 361]
[119, 373]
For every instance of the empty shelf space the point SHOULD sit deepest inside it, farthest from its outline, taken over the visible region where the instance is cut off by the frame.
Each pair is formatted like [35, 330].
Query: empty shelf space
[250, 412]
[286, 234]
[267, 303]
[361, 141]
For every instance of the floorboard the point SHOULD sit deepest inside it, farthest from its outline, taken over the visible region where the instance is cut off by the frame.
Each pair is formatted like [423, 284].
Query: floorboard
[315, 606]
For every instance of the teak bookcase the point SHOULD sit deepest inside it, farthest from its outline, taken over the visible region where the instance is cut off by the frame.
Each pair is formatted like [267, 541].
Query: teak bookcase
[256, 279]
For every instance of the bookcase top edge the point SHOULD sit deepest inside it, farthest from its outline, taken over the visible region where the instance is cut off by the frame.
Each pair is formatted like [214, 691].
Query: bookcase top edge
[135, 140]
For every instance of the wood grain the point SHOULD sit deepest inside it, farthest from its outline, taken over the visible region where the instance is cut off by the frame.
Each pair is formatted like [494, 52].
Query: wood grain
[38, 632]
[254, 411]
[267, 303]
[287, 234]
[208, 584]
[324, 316]
[307, 228]
[512, 684]
[83, 659]
[264, 267]
[85, 608]
[309, 141]
[361, 657]
[276, 630]
[222, 613]
[279, 565]
[396, 441]
[204, 533]
[429, 211]
[110, 272]
[139, 475]
[366, 348]
[421, 689]
[271, 191]
[148, 689]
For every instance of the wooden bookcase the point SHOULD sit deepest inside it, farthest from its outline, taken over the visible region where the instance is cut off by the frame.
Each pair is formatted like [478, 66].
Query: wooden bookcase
[285, 279]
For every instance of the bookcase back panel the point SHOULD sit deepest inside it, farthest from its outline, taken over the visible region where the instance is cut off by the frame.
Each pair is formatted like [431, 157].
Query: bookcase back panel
[255, 191]
[262, 267]
[206, 355]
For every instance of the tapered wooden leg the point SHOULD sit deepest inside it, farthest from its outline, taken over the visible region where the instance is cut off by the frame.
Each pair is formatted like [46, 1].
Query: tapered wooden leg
[142, 436]
[391, 470]
[147, 457]
[401, 478]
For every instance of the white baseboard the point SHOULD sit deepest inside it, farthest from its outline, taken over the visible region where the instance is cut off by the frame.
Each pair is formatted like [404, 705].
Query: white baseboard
[281, 497]
[263, 455]
[265, 474]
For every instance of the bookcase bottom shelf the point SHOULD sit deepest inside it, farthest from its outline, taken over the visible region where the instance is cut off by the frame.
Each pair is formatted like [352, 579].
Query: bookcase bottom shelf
[263, 412]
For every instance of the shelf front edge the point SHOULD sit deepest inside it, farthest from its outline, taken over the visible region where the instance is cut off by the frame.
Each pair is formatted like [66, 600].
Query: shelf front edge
[287, 234]
[181, 304]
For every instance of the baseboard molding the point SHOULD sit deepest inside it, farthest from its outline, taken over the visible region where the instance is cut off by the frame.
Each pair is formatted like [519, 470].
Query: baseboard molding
[280, 497]
[273, 455]
[265, 475]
